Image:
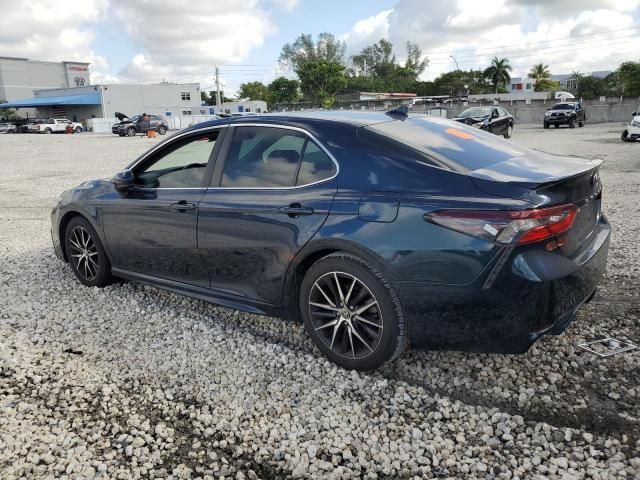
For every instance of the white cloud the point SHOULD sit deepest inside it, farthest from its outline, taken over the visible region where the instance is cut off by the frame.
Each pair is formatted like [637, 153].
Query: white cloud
[56, 31]
[474, 31]
[181, 38]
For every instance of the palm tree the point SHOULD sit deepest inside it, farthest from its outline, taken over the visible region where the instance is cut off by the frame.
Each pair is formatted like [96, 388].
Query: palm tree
[498, 72]
[541, 74]
[576, 75]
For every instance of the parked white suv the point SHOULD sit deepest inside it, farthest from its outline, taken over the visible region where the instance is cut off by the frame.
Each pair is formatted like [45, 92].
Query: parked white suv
[632, 131]
[54, 125]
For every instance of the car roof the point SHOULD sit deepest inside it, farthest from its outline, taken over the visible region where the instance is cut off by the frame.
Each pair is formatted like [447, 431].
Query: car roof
[346, 117]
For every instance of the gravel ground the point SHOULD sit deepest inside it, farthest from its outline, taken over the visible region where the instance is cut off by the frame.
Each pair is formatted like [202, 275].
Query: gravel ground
[130, 381]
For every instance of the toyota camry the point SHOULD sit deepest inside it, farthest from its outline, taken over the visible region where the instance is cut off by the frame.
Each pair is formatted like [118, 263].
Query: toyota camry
[377, 230]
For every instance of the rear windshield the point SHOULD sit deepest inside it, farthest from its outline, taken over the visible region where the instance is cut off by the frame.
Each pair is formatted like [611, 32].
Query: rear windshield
[563, 106]
[459, 147]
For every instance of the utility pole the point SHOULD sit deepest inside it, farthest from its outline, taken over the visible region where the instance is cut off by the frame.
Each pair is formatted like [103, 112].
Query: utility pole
[365, 66]
[218, 102]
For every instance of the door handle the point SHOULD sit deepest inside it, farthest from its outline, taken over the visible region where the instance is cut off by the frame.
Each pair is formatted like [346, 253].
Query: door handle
[182, 206]
[295, 210]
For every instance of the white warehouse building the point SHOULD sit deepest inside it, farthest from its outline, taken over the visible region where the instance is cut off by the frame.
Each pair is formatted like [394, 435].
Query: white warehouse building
[102, 101]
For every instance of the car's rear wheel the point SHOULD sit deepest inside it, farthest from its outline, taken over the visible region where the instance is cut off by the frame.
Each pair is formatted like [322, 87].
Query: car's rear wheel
[162, 130]
[48, 131]
[86, 254]
[509, 131]
[556, 125]
[78, 130]
[352, 313]
[131, 131]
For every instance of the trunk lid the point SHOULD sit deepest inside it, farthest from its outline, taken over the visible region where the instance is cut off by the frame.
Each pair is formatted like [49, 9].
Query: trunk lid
[549, 180]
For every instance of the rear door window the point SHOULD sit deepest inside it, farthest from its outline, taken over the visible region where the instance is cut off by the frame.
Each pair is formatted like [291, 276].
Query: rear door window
[268, 157]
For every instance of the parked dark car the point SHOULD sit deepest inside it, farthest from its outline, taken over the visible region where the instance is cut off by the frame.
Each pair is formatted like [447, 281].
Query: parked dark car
[565, 113]
[138, 124]
[376, 230]
[494, 120]
[31, 125]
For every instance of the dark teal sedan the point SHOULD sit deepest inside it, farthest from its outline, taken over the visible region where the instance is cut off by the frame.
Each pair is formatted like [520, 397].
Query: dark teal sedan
[377, 230]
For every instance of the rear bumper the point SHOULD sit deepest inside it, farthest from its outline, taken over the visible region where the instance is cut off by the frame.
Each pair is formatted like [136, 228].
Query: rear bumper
[523, 295]
[55, 237]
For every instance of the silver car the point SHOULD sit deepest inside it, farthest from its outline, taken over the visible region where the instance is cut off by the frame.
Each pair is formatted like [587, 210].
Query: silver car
[8, 128]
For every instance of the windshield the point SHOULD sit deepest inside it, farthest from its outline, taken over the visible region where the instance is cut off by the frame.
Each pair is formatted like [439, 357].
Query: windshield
[562, 106]
[475, 112]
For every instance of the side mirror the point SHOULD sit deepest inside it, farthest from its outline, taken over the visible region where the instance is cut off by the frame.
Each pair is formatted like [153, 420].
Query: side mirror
[123, 180]
[633, 114]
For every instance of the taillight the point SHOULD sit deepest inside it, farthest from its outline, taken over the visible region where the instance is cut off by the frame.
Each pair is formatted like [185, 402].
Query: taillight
[509, 227]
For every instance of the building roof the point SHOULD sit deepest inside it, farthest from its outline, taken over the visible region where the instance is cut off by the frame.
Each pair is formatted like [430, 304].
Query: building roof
[92, 98]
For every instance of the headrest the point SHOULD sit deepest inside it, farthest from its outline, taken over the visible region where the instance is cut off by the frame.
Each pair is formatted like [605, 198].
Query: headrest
[289, 156]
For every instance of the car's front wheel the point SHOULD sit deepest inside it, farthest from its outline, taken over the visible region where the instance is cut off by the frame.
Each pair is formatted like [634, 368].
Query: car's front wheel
[352, 313]
[625, 136]
[162, 130]
[545, 125]
[78, 129]
[131, 131]
[86, 254]
[572, 123]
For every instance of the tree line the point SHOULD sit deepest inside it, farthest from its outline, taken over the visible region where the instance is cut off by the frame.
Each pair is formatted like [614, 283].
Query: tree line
[324, 71]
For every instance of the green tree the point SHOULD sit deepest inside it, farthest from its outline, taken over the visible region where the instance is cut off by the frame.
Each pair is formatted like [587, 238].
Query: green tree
[304, 49]
[576, 76]
[284, 90]
[541, 74]
[415, 63]
[592, 87]
[498, 72]
[8, 113]
[321, 80]
[629, 77]
[460, 82]
[254, 91]
[378, 59]
[210, 98]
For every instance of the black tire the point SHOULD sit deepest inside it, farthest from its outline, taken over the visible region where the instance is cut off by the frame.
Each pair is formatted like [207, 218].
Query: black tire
[93, 269]
[625, 136]
[131, 132]
[545, 125]
[580, 124]
[387, 339]
[556, 125]
[509, 132]
[572, 123]
[48, 131]
[161, 130]
[78, 129]
[121, 134]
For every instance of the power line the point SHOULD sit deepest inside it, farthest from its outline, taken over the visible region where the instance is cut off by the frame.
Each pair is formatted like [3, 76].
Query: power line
[534, 43]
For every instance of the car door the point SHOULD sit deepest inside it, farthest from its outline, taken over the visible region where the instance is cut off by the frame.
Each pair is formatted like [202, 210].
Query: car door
[269, 196]
[151, 229]
[497, 121]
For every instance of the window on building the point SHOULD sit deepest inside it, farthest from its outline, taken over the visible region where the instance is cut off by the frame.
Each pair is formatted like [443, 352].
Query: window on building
[186, 112]
[529, 85]
[167, 114]
[185, 95]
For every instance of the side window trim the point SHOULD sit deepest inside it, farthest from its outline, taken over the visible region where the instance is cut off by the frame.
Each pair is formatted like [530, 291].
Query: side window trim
[224, 150]
[213, 156]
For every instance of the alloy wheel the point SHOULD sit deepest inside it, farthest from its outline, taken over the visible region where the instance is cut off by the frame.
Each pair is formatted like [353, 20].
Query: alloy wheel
[346, 315]
[84, 253]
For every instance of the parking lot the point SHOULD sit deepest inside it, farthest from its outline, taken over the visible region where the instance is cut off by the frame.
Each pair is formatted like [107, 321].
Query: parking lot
[130, 381]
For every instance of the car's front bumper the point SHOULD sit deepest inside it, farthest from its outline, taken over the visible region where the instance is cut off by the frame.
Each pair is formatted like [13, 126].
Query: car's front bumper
[559, 120]
[522, 295]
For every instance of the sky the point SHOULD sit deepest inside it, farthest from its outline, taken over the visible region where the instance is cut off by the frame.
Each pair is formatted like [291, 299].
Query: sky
[144, 41]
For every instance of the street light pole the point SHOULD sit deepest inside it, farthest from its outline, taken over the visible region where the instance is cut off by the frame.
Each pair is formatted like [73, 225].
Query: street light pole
[454, 59]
